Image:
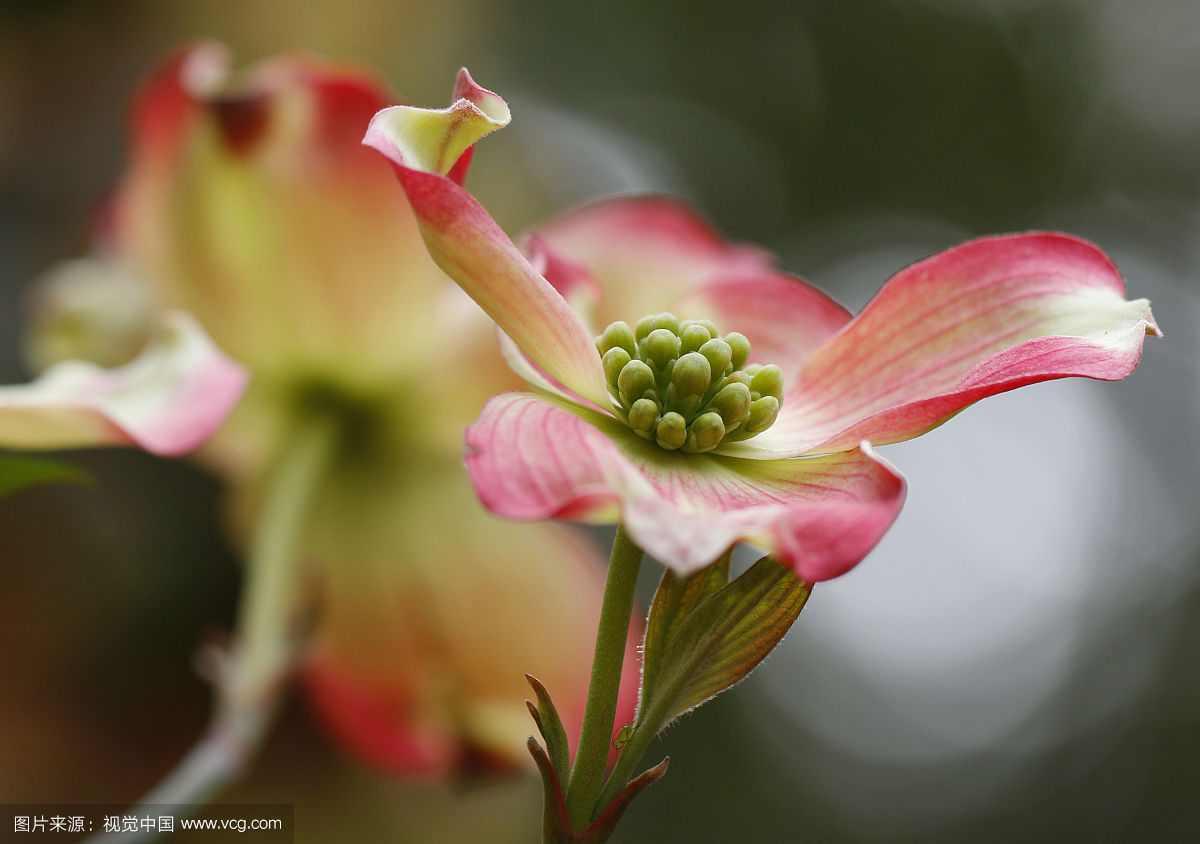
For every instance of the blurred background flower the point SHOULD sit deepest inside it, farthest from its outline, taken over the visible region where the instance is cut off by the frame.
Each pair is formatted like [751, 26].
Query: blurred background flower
[250, 202]
[1027, 680]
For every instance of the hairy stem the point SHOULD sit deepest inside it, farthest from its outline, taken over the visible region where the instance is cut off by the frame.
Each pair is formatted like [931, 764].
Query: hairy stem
[591, 757]
[632, 753]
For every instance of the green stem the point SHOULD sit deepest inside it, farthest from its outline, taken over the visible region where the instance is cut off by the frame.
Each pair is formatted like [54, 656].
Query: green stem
[262, 650]
[271, 595]
[591, 757]
[635, 749]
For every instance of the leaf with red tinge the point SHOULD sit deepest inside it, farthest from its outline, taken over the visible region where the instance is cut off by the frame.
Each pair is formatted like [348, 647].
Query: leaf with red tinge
[610, 815]
[556, 823]
[550, 725]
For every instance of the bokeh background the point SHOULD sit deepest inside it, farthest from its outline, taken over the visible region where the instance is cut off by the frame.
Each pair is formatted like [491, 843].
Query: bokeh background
[1016, 661]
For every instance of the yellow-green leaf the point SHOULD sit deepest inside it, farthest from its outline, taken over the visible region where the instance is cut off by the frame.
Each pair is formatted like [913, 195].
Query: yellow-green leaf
[701, 650]
[675, 598]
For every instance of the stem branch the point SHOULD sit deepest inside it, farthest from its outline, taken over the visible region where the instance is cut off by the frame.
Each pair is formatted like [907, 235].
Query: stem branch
[247, 686]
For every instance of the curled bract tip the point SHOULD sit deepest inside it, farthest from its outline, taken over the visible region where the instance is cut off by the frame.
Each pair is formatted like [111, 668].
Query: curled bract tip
[491, 104]
[433, 140]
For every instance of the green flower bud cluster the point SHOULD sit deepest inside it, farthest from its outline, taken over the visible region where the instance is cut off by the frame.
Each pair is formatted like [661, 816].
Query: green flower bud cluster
[684, 386]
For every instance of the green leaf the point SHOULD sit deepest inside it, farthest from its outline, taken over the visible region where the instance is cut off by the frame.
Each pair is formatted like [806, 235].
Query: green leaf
[675, 598]
[551, 727]
[713, 642]
[20, 471]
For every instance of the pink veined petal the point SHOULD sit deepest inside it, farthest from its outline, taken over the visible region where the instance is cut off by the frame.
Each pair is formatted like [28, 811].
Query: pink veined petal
[530, 458]
[424, 144]
[669, 258]
[168, 400]
[988, 316]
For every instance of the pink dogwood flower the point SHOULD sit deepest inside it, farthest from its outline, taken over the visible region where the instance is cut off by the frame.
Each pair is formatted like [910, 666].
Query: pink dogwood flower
[693, 438]
[250, 202]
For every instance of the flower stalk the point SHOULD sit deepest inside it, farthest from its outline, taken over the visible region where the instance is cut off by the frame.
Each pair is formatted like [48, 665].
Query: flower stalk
[591, 757]
[262, 654]
[272, 590]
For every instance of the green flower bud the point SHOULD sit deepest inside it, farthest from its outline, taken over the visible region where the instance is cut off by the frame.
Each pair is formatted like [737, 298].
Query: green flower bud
[668, 322]
[768, 381]
[739, 377]
[618, 335]
[643, 416]
[692, 336]
[660, 347]
[671, 432]
[733, 403]
[684, 405]
[645, 325]
[719, 355]
[614, 361]
[635, 379]
[740, 347]
[691, 375]
[667, 371]
[705, 433]
[763, 412]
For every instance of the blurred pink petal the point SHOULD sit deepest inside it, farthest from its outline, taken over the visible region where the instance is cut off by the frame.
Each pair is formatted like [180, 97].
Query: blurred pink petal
[428, 651]
[250, 202]
[168, 400]
[378, 723]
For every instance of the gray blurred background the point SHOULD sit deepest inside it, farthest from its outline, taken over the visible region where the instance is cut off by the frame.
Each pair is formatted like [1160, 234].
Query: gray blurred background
[1017, 659]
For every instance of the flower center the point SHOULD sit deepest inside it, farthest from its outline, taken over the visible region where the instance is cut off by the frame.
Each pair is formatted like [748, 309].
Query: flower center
[684, 386]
